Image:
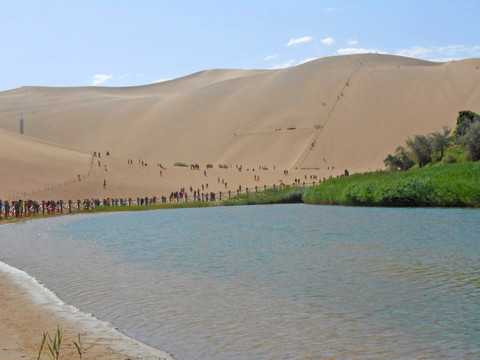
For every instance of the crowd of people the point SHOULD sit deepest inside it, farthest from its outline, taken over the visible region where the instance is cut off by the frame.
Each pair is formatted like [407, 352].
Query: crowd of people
[29, 207]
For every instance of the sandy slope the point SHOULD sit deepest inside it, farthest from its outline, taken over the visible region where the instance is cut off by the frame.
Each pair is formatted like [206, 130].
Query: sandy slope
[33, 165]
[354, 109]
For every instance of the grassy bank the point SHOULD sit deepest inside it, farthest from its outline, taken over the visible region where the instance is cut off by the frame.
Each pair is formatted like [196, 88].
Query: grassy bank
[441, 185]
[286, 195]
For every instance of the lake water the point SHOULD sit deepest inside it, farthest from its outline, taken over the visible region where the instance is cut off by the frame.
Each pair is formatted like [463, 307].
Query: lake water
[269, 282]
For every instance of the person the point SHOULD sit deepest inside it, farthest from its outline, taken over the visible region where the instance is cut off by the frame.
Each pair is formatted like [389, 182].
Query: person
[104, 183]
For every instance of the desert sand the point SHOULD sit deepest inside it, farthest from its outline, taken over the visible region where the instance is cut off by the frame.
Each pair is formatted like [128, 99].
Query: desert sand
[315, 119]
[353, 109]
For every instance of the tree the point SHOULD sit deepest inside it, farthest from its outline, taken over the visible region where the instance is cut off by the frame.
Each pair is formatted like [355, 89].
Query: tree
[464, 120]
[471, 142]
[399, 161]
[421, 149]
[439, 142]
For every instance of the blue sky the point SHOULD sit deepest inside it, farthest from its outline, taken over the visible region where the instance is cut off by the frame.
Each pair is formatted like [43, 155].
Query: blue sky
[124, 43]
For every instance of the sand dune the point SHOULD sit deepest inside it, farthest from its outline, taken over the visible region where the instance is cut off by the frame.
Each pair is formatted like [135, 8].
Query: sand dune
[354, 110]
[29, 164]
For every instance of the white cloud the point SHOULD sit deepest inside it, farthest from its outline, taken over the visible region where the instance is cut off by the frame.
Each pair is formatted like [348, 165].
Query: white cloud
[307, 60]
[299, 40]
[446, 59]
[328, 41]
[99, 79]
[441, 53]
[349, 51]
[270, 57]
[456, 49]
[283, 66]
[474, 50]
[161, 80]
[353, 42]
[329, 9]
[415, 52]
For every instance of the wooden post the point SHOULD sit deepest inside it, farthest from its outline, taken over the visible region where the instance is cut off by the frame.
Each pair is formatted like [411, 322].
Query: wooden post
[203, 196]
[273, 187]
[264, 187]
[61, 206]
[304, 184]
[220, 196]
[78, 205]
[313, 183]
[43, 207]
[69, 206]
[229, 194]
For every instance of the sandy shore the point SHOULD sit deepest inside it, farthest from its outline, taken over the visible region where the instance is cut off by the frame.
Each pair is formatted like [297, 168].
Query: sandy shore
[28, 309]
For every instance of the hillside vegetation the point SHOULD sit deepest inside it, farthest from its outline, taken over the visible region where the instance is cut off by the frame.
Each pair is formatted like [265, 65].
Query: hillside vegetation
[442, 185]
[433, 170]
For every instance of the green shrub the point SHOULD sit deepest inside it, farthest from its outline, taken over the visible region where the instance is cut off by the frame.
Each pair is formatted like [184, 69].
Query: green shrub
[449, 158]
[181, 164]
[421, 149]
[471, 142]
[399, 160]
[439, 142]
[464, 120]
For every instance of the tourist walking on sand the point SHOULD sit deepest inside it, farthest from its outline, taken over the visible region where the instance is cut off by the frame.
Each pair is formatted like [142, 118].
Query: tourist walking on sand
[104, 183]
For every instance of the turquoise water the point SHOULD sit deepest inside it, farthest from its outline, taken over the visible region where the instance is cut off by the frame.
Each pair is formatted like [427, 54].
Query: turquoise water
[269, 282]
